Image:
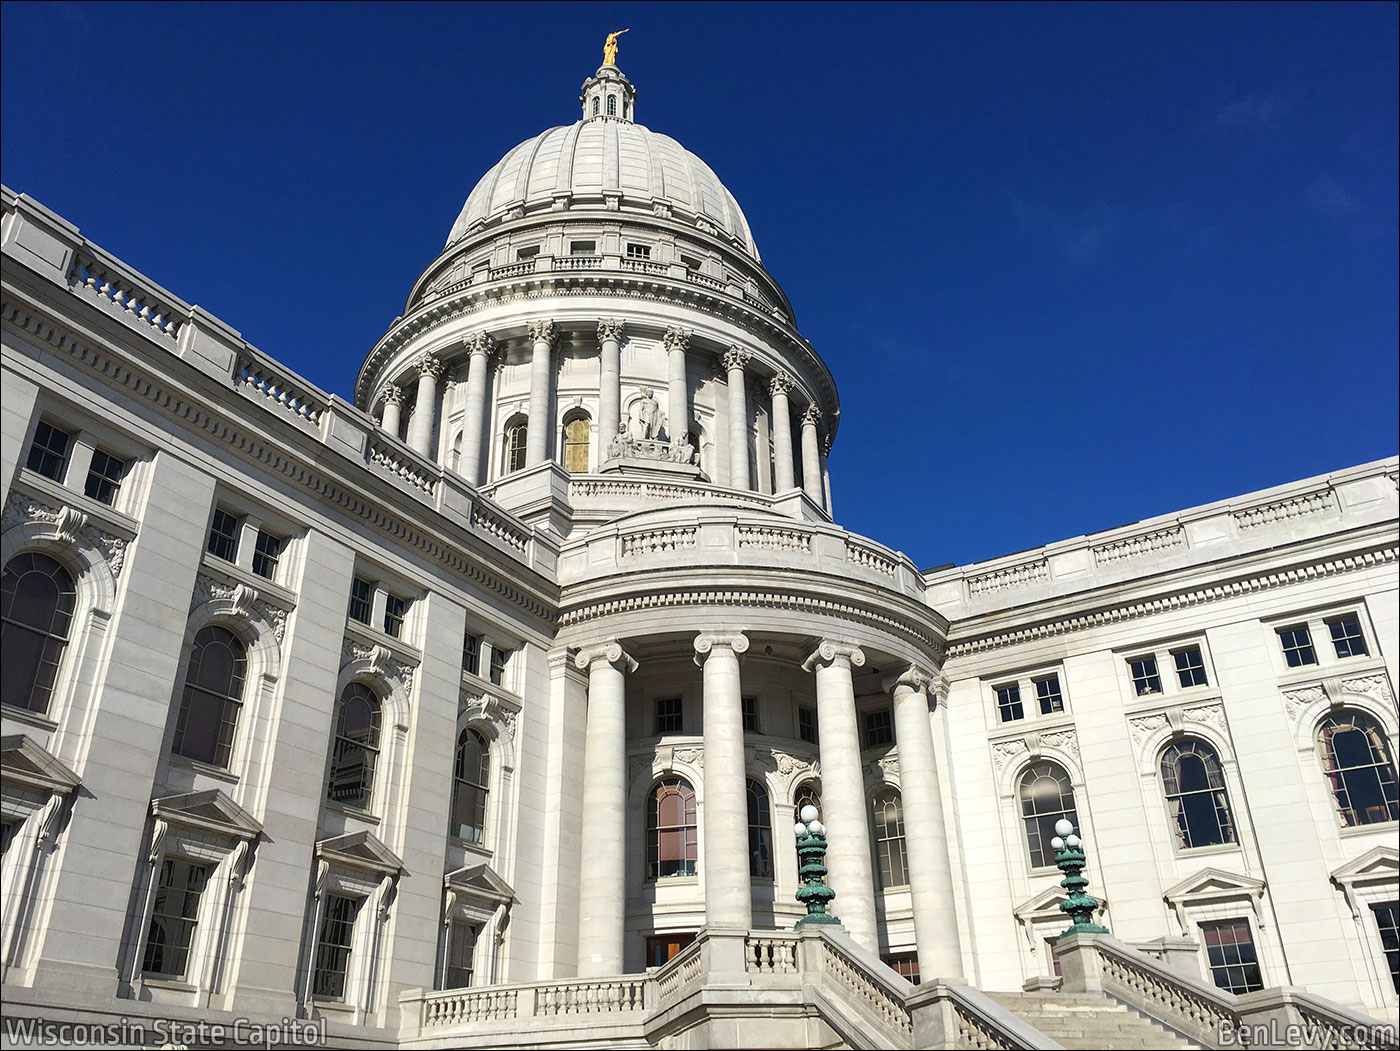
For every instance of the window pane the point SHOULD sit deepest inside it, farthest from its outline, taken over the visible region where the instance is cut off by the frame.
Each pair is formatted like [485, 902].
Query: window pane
[671, 830]
[668, 716]
[395, 610]
[760, 833]
[1145, 677]
[1009, 703]
[1357, 762]
[1190, 667]
[173, 917]
[879, 729]
[37, 601]
[470, 785]
[576, 445]
[1388, 924]
[267, 553]
[889, 840]
[1347, 637]
[361, 600]
[1230, 950]
[1047, 692]
[333, 948]
[48, 455]
[223, 535]
[212, 697]
[1046, 796]
[461, 950]
[1194, 783]
[356, 747]
[1297, 646]
[104, 477]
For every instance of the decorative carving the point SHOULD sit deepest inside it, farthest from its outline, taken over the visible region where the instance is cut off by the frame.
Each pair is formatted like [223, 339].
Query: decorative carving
[811, 416]
[1025, 574]
[544, 331]
[481, 344]
[693, 756]
[245, 602]
[1212, 715]
[70, 527]
[430, 367]
[1319, 501]
[381, 662]
[1066, 741]
[113, 549]
[611, 328]
[1138, 546]
[490, 708]
[705, 643]
[661, 209]
[1144, 726]
[676, 339]
[644, 418]
[1374, 686]
[611, 651]
[1004, 753]
[831, 650]
[889, 767]
[735, 358]
[780, 384]
[1296, 702]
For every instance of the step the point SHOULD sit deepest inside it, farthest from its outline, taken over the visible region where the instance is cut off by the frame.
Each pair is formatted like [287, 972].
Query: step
[1089, 1021]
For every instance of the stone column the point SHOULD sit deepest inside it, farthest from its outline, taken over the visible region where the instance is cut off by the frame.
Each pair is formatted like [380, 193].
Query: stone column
[543, 335]
[420, 427]
[735, 358]
[812, 457]
[603, 868]
[392, 422]
[479, 347]
[925, 836]
[609, 381]
[677, 342]
[728, 897]
[785, 476]
[844, 806]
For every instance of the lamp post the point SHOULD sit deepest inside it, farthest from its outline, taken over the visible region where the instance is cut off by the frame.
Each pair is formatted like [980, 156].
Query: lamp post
[1069, 857]
[811, 849]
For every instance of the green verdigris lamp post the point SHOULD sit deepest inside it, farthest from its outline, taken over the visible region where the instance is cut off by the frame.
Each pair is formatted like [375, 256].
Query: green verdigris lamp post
[1069, 856]
[811, 850]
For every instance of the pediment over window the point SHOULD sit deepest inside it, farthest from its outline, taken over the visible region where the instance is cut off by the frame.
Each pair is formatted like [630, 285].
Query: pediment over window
[25, 764]
[1377, 865]
[1046, 906]
[210, 810]
[479, 882]
[360, 850]
[1214, 885]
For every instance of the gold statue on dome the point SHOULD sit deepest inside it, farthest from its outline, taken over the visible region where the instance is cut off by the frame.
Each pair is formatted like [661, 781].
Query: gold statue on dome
[610, 47]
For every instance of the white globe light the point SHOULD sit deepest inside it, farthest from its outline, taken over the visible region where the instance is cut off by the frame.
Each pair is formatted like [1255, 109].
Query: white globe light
[818, 829]
[809, 813]
[800, 829]
[1074, 841]
[1063, 827]
[1057, 843]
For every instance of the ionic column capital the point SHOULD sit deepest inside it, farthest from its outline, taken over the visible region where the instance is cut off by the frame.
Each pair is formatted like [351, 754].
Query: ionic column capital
[834, 651]
[709, 641]
[606, 652]
[736, 358]
[479, 344]
[431, 367]
[676, 339]
[544, 331]
[392, 394]
[610, 328]
[811, 416]
[779, 385]
[914, 679]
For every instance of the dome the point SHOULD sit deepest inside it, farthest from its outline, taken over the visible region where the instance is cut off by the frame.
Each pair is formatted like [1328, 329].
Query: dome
[605, 165]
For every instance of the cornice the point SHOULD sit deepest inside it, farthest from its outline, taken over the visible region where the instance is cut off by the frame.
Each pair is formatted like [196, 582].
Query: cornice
[1181, 598]
[194, 412]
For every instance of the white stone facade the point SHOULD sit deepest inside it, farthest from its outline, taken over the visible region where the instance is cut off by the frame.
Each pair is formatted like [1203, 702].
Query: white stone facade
[650, 587]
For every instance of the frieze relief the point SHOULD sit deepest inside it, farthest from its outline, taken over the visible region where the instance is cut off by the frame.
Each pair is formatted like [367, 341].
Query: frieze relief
[1008, 753]
[1142, 727]
[70, 525]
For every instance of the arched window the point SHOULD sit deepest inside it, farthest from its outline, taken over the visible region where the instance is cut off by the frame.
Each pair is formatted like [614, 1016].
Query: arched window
[212, 698]
[671, 835]
[36, 612]
[356, 749]
[889, 839]
[1196, 796]
[612, 105]
[576, 444]
[1358, 764]
[760, 833]
[469, 786]
[516, 429]
[597, 103]
[1046, 796]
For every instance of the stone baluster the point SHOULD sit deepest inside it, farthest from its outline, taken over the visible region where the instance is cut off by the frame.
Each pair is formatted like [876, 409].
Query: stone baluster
[420, 426]
[603, 867]
[392, 423]
[677, 342]
[543, 336]
[728, 897]
[735, 358]
[812, 457]
[610, 379]
[925, 837]
[785, 475]
[843, 790]
[479, 348]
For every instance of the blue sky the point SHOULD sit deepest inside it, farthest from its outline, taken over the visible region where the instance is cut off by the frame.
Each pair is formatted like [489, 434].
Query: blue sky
[1072, 266]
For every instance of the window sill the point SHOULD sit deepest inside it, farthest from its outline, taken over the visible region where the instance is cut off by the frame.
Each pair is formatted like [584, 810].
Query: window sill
[352, 811]
[333, 1006]
[29, 718]
[466, 844]
[207, 769]
[174, 985]
[397, 647]
[1214, 848]
[673, 881]
[1353, 831]
[99, 514]
[487, 686]
[233, 573]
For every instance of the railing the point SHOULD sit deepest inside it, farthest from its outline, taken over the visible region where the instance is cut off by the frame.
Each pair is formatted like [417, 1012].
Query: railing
[111, 285]
[870, 557]
[1137, 546]
[770, 954]
[260, 375]
[578, 262]
[645, 490]
[860, 983]
[1319, 501]
[625, 995]
[387, 459]
[682, 969]
[705, 280]
[1011, 577]
[471, 1005]
[775, 538]
[611, 996]
[981, 1024]
[502, 528]
[525, 266]
[645, 266]
[654, 541]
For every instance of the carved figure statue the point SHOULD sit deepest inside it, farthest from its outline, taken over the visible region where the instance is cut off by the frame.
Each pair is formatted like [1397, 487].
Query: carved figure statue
[610, 47]
[622, 443]
[646, 418]
[682, 451]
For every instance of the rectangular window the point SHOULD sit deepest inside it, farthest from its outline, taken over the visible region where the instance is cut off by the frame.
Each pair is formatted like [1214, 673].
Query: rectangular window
[461, 948]
[395, 610]
[636, 251]
[1347, 637]
[8, 831]
[1145, 677]
[904, 964]
[173, 917]
[267, 552]
[49, 453]
[1297, 646]
[500, 657]
[223, 535]
[1233, 962]
[807, 724]
[527, 253]
[583, 247]
[749, 706]
[333, 948]
[1054, 960]
[662, 948]
[690, 262]
[104, 478]
[1190, 667]
[471, 654]
[879, 730]
[361, 600]
[1009, 703]
[1388, 923]
[1047, 692]
[668, 716]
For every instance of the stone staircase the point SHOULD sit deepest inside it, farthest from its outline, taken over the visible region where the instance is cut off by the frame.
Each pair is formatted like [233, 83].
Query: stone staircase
[1088, 1020]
